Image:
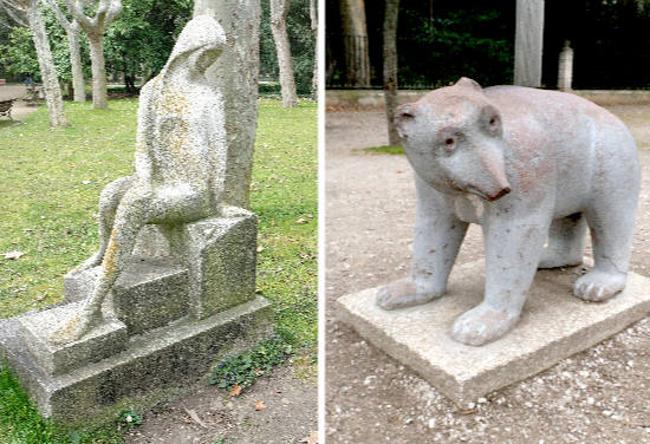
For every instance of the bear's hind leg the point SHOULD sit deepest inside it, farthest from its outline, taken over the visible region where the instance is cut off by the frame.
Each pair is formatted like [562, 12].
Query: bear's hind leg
[612, 227]
[566, 242]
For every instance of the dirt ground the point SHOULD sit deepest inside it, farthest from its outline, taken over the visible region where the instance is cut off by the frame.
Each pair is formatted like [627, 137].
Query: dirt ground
[599, 396]
[209, 416]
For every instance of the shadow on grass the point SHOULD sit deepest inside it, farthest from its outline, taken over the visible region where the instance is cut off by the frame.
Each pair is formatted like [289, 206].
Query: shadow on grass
[9, 123]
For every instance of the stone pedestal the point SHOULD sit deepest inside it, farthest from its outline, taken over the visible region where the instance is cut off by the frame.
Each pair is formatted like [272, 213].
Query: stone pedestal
[554, 325]
[175, 311]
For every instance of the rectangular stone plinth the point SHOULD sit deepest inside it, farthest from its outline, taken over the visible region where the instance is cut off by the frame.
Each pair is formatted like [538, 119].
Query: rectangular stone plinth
[106, 340]
[171, 356]
[150, 293]
[554, 325]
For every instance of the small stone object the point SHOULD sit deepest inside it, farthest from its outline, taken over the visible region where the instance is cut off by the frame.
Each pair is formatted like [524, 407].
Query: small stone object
[534, 168]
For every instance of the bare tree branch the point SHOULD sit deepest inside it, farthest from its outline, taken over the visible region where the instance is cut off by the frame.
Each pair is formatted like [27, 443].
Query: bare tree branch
[60, 16]
[16, 10]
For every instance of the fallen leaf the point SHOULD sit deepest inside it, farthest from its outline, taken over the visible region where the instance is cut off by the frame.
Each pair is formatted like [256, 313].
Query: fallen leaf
[13, 255]
[302, 220]
[195, 418]
[311, 439]
[86, 182]
[260, 249]
[259, 405]
[235, 391]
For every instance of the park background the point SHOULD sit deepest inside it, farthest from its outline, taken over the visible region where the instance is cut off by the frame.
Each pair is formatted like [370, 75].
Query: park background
[54, 171]
[600, 395]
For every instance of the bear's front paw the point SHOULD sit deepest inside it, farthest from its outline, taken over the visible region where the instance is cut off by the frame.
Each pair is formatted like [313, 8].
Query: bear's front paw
[482, 324]
[402, 293]
[597, 286]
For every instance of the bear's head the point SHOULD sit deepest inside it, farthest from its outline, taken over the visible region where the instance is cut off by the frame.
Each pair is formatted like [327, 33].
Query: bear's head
[453, 138]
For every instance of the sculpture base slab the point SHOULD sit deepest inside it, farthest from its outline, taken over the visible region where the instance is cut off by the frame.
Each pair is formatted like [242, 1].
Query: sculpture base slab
[554, 325]
[162, 359]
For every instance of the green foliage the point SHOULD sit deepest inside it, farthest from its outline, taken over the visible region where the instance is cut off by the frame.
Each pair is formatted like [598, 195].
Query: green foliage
[301, 39]
[17, 55]
[385, 149]
[469, 41]
[128, 419]
[138, 43]
[245, 369]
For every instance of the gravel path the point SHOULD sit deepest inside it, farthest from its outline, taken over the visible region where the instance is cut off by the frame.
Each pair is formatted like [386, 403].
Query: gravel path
[601, 395]
[20, 110]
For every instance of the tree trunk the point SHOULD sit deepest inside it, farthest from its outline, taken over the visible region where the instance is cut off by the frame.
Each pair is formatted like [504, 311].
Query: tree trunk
[96, 43]
[390, 68]
[78, 82]
[355, 35]
[279, 11]
[240, 20]
[51, 87]
[313, 14]
[529, 42]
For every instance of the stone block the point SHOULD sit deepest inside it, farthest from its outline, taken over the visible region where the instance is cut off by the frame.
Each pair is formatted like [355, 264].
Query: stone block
[151, 293]
[168, 357]
[36, 327]
[79, 284]
[554, 325]
[221, 254]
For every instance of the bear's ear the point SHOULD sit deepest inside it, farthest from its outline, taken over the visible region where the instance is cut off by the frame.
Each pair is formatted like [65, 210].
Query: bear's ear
[404, 115]
[468, 83]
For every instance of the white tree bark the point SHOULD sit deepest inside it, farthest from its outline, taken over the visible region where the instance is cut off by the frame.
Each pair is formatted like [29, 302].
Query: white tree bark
[313, 14]
[237, 72]
[390, 68]
[355, 34]
[51, 87]
[279, 12]
[98, 69]
[529, 41]
[72, 28]
[27, 12]
[94, 27]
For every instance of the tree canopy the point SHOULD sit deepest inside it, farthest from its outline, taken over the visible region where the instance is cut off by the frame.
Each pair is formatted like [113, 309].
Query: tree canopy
[139, 41]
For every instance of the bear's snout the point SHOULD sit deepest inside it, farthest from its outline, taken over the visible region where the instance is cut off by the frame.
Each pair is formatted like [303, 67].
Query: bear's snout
[499, 194]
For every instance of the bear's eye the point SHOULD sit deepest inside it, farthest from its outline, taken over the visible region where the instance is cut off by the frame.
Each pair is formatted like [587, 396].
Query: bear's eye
[493, 121]
[450, 144]
[449, 141]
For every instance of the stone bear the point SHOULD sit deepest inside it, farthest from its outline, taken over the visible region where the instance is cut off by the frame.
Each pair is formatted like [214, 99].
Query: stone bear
[534, 168]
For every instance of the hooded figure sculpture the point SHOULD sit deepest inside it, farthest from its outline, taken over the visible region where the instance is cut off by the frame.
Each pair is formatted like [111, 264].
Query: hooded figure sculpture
[179, 164]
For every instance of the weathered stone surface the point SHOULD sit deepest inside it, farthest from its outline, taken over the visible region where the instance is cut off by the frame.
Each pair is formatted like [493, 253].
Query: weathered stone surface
[181, 164]
[240, 20]
[554, 325]
[78, 284]
[536, 169]
[166, 357]
[221, 255]
[150, 294]
[106, 340]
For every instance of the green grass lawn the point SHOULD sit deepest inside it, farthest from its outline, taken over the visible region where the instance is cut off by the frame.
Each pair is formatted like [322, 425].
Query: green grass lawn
[49, 190]
[384, 149]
